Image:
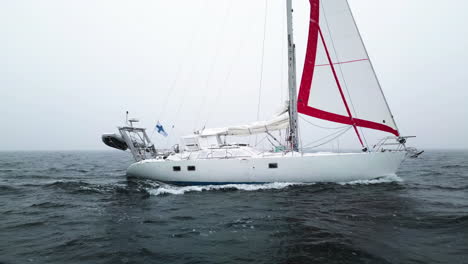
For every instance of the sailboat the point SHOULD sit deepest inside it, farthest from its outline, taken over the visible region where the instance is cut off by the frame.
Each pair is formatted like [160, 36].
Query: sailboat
[338, 85]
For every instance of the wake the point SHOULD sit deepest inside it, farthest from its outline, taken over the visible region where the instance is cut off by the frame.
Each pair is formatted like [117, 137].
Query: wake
[165, 189]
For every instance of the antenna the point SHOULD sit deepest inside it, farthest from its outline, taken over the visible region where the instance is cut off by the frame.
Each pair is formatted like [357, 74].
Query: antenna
[126, 118]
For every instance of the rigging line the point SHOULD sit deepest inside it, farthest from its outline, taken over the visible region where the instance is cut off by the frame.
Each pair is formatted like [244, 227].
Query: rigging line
[307, 121]
[256, 144]
[180, 66]
[283, 55]
[301, 144]
[213, 63]
[186, 50]
[337, 80]
[221, 88]
[364, 137]
[184, 95]
[330, 135]
[328, 141]
[262, 61]
[273, 137]
[269, 140]
[372, 66]
[337, 137]
[341, 70]
[169, 137]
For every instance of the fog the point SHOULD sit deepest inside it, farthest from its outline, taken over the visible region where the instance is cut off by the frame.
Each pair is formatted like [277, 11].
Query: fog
[70, 69]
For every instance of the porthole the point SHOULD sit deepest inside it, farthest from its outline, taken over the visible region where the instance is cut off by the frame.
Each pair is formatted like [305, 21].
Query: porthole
[176, 168]
[272, 165]
[191, 168]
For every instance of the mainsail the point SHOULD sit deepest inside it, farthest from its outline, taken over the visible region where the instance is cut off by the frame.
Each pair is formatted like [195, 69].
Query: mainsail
[277, 122]
[338, 82]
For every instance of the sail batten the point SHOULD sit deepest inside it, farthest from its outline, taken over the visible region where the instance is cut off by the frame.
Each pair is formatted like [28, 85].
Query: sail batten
[321, 93]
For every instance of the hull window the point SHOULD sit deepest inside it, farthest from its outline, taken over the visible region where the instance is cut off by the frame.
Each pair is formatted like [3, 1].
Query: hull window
[191, 168]
[272, 165]
[176, 168]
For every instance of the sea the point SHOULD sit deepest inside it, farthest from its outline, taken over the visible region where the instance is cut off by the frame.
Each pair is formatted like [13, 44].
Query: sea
[80, 207]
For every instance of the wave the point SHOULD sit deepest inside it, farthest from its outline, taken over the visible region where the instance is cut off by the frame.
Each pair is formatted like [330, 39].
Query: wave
[385, 179]
[444, 187]
[48, 205]
[28, 224]
[163, 189]
[177, 190]
[67, 184]
[455, 166]
[81, 187]
[8, 170]
[7, 189]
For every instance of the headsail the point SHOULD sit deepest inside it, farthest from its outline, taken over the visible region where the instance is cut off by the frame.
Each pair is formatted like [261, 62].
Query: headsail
[338, 82]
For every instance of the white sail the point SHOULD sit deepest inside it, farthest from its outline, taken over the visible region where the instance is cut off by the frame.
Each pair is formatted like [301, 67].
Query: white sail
[338, 82]
[279, 121]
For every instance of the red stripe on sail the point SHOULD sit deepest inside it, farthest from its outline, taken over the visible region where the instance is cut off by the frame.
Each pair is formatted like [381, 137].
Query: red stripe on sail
[311, 53]
[307, 76]
[339, 86]
[343, 62]
[317, 113]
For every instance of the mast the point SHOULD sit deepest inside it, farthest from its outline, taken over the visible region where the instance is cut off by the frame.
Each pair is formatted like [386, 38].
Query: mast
[293, 130]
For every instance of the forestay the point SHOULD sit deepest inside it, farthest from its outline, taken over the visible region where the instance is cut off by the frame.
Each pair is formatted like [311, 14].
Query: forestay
[338, 82]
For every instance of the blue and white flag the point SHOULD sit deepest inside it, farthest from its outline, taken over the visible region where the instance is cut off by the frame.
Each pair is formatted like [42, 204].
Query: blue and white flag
[160, 129]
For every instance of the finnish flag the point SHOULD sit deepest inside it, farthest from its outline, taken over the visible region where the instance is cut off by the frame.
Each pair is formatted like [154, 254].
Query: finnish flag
[160, 129]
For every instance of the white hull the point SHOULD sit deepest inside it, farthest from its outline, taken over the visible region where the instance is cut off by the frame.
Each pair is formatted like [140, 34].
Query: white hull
[319, 167]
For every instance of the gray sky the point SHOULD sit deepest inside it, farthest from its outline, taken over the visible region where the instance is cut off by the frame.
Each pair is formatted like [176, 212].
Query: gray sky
[70, 69]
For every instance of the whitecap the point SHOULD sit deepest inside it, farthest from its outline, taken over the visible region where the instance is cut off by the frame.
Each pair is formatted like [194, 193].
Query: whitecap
[385, 179]
[178, 190]
[171, 189]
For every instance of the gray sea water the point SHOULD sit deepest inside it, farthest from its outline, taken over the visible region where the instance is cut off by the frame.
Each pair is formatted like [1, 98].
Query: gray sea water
[79, 207]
